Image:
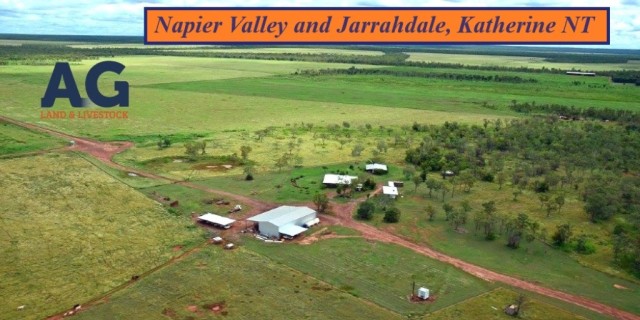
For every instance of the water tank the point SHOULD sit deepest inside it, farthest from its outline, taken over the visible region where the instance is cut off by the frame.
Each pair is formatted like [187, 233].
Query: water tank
[423, 293]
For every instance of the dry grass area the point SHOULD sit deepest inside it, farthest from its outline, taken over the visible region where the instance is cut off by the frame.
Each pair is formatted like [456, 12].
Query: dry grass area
[69, 232]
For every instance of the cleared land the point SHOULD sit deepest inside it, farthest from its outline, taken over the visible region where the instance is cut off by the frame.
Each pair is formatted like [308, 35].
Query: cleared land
[456, 96]
[244, 284]
[60, 243]
[14, 139]
[152, 109]
[382, 273]
[513, 61]
[491, 304]
[223, 101]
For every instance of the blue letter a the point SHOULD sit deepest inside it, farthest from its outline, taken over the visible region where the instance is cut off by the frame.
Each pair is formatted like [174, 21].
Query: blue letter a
[61, 73]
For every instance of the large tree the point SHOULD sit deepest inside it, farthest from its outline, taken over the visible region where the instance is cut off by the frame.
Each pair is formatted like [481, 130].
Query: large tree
[366, 210]
[321, 201]
[392, 215]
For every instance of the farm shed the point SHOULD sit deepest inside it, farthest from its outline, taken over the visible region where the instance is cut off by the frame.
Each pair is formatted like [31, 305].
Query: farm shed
[579, 73]
[333, 180]
[390, 190]
[216, 220]
[376, 168]
[287, 221]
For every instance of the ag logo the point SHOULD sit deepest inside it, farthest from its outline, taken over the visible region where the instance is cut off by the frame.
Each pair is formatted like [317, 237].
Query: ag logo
[62, 73]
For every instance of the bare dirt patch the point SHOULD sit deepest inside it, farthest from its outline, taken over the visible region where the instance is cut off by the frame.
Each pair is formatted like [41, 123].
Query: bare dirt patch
[192, 308]
[178, 247]
[217, 307]
[415, 299]
[168, 312]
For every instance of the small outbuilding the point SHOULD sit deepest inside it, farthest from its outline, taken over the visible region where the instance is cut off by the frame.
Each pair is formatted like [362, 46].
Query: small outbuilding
[390, 190]
[333, 180]
[285, 221]
[580, 73]
[376, 168]
[216, 220]
[423, 293]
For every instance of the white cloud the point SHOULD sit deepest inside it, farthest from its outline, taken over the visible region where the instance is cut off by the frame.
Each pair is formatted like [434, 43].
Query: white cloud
[125, 17]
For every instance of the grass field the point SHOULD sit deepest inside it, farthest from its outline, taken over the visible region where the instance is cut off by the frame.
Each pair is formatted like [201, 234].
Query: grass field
[161, 111]
[378, 272]
[14, 139]
[423, 94]
[277, 186]
[191, 200]
[515, 62]
[491, 304]
[72, 228]
[248, 285]
[534, 261]
[69, 232]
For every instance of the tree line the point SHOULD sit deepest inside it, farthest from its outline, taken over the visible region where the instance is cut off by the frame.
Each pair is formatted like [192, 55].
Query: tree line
[575, 113]
[418, 73]
[36, 53]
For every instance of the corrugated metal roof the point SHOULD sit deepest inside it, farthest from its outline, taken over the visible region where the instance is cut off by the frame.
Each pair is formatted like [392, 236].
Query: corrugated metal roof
[283, 215]
[393, 191]
[330, 178]
[214, 218]
[292, 230]
[376, 166]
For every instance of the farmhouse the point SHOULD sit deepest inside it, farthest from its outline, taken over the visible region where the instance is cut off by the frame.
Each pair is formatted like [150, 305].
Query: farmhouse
[216, 220]
[333, 180]
[285, 221]
[376, 168]
[390, 190]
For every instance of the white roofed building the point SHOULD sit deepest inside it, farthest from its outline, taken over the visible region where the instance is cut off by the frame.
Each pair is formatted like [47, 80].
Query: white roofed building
[216, 220]
[390, 190]
[336, 179]
[376, 168]
[287, 221]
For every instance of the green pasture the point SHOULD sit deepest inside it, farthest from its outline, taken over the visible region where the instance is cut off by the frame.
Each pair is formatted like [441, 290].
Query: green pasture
[382, 273]
[277, 186]
[14, 139]
[190, 200]
[69, 232]
[451, 96]
[160, 111]
[245, 284]
[491, 305]
[516, 62]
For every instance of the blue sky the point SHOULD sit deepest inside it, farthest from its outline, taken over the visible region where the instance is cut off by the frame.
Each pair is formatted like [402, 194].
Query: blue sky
[125, 17]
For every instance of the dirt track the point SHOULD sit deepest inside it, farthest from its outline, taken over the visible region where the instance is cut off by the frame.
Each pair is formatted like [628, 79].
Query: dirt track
[105, 151]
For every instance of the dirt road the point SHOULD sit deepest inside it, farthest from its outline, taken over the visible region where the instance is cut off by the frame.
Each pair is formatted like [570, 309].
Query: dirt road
[105, 151]
[343, 218]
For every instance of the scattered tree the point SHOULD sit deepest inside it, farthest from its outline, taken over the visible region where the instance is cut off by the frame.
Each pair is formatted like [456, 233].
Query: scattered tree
[392, 215]
[366, 210]
[563, 235]
[321, 201]
[357, 150]
[416, 182]
[282, 162]
[164, 143]
[448, 211]
[244, 152]
[431, 212]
